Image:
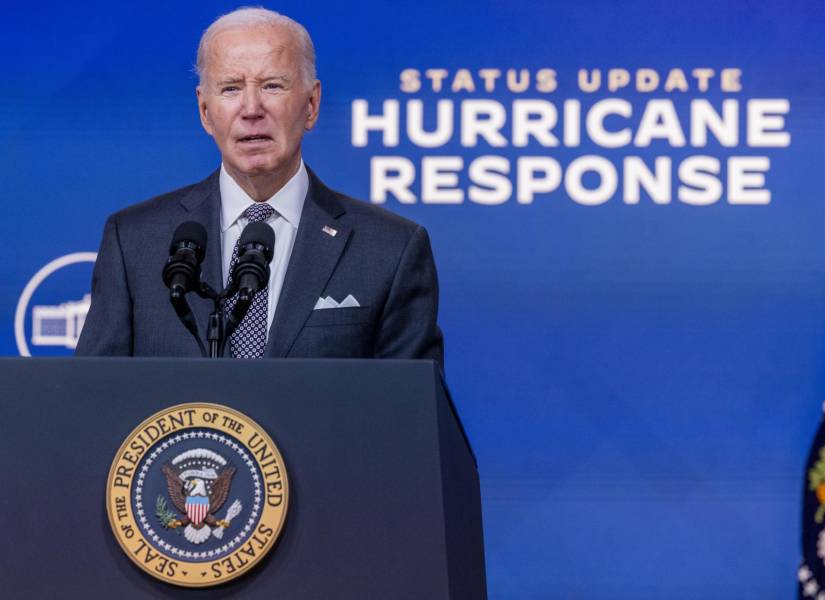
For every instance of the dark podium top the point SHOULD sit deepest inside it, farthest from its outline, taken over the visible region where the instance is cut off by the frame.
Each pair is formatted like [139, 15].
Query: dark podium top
[384, 494]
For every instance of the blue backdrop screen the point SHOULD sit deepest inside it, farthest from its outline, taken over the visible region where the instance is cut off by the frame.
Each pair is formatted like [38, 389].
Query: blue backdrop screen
[625, 204]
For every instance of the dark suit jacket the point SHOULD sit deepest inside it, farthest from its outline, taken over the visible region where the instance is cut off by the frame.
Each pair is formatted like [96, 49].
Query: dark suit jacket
[383, 260]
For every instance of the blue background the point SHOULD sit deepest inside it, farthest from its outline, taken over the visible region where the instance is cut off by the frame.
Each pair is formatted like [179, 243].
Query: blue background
[640, 383]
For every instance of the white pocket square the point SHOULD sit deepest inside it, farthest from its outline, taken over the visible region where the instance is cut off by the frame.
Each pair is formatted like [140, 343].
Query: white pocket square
[329, 302]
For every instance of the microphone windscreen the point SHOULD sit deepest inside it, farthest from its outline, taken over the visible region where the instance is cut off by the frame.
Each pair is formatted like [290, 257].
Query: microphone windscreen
[259, 232]
[190, 232]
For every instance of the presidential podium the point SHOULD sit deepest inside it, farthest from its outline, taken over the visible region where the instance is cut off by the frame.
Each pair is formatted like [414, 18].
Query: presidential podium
[383, 487]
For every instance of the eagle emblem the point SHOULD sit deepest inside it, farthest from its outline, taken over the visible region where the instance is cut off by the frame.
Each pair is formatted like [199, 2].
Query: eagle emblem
[198, 483]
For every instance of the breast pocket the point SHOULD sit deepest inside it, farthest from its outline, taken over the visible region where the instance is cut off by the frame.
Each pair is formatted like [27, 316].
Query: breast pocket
[355, 315]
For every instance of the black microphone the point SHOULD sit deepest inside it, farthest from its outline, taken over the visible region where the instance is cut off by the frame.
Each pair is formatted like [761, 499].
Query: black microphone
[255, 251]
[182, 272]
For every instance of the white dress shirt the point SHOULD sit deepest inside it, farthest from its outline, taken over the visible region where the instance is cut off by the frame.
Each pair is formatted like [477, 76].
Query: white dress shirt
[288, 203]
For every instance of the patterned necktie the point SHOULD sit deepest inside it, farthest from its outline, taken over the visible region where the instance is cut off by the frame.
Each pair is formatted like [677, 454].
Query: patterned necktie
[249, 339]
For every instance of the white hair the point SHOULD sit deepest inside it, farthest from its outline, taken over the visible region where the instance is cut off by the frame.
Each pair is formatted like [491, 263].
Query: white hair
[248, 16]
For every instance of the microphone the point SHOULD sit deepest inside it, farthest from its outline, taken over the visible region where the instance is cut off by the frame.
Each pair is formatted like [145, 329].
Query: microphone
[182, 272]
[250, 274]
[255, 251]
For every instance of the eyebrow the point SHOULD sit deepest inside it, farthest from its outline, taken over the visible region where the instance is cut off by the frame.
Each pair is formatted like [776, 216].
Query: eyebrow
[227, 80]
[283, 78]
[234, 79]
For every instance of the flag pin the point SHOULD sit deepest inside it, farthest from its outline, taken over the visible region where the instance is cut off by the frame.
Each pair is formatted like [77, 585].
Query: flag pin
[329, 230]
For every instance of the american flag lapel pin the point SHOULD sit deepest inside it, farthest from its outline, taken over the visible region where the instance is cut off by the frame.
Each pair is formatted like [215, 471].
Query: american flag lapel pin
[329, 231]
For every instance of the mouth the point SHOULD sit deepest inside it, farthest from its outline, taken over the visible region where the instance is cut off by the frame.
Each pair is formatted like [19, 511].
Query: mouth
[254, 139]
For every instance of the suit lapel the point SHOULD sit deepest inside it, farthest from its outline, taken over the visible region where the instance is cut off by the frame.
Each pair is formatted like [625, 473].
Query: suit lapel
[203, 204]
[314, 257]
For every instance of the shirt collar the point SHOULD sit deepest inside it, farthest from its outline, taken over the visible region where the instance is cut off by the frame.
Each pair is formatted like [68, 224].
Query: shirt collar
[287, 202]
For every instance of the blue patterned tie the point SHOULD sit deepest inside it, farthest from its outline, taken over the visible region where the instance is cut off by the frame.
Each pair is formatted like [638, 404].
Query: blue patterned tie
[249, 339]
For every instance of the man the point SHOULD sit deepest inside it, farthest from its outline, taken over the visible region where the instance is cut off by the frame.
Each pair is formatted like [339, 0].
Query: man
[348, 279]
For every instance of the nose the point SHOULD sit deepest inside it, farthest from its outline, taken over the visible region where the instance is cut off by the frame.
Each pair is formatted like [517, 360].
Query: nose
[252, 108]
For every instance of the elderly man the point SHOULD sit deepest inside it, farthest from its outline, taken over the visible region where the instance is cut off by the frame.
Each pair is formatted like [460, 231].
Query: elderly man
[348, 279]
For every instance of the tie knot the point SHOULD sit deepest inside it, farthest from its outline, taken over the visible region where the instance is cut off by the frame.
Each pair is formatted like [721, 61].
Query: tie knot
[260, 211]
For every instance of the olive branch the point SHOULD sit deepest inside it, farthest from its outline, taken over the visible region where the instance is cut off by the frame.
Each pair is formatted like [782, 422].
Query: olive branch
[164, 515]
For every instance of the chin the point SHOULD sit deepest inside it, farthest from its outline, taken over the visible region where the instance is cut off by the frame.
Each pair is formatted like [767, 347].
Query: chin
[252, 168]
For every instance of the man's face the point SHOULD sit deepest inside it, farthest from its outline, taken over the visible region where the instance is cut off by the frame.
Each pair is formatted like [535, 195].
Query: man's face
[255, 104]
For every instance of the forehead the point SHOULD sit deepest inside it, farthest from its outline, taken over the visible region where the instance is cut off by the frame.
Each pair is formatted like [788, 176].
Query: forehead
[257, 47]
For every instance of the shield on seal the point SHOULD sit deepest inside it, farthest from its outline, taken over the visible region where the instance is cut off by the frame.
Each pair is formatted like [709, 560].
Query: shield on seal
[197, 507]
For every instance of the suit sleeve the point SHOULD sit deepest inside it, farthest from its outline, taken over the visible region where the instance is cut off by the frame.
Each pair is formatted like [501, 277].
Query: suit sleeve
[408, 327]
[107, 330]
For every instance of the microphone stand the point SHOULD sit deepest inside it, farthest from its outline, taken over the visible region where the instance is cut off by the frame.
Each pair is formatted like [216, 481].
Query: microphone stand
[220, 327]
[214, 327]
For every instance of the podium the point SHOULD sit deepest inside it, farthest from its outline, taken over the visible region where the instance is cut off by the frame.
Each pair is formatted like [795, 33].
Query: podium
[384, 493]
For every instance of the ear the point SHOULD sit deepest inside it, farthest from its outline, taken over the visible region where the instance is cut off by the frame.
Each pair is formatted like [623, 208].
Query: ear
[313, 106]
[203, 111]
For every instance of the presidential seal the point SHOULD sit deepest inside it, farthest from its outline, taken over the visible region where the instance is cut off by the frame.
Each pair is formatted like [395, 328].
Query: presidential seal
[197, 494]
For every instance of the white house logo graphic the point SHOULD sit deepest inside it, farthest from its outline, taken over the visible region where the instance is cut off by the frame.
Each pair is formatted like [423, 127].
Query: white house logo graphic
[54, 325]
[59, 325]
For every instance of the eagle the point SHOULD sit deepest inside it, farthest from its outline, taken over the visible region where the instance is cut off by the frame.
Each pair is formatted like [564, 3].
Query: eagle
[191, 499]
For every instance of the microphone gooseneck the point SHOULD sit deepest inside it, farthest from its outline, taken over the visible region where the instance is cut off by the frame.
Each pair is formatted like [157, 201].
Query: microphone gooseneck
[250, 274]
[182, 272]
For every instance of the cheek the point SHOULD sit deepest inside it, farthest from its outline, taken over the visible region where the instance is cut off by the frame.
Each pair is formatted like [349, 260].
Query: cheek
[220, 125]
[290, 115]
[294, 122]
[220, 119]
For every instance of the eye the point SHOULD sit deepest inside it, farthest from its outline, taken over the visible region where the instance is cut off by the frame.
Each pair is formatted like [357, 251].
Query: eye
[273, 86]
[229, 89]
